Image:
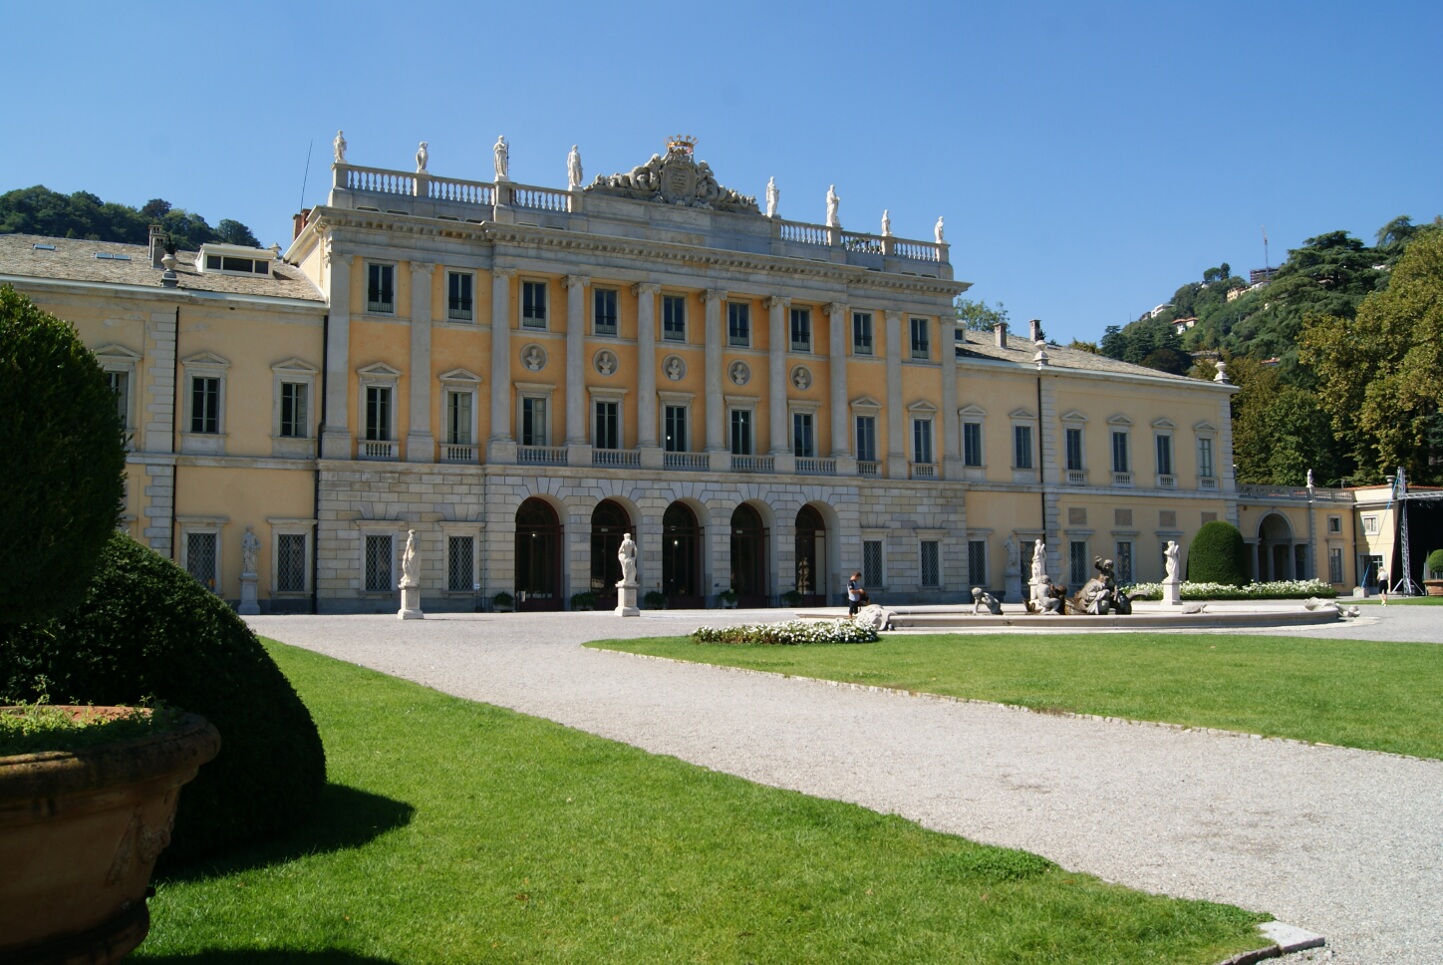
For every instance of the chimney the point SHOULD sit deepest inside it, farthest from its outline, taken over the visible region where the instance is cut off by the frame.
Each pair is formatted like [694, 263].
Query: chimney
[1001, 330]
[1035, 328]
[157, 245]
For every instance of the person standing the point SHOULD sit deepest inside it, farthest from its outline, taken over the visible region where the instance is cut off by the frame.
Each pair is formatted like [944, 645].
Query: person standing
[1383, 585]
[854, 594]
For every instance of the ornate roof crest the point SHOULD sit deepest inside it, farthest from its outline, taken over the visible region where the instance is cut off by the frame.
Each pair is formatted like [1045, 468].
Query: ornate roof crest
[676, 178]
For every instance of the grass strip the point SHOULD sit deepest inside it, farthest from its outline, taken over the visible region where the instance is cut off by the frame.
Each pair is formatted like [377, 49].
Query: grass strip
[1376, 696]
[459, 832]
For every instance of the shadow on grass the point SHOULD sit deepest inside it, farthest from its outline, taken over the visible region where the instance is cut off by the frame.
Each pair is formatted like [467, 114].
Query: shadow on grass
[344, 818]
[238, 957]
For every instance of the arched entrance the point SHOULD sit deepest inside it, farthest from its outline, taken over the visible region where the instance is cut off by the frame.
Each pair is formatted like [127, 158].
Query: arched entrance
[681, 572]
[1275, 553]
[810, 573]
[538, 556]
[609, 522]
[749, 557]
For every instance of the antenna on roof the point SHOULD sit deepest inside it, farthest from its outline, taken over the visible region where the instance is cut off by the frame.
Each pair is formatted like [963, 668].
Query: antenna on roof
[307, 175]
[1267, 265]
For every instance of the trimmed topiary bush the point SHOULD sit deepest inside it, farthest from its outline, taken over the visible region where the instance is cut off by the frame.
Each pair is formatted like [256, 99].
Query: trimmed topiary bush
[62, 477]
[1217, 555]
[1434, 565]
[147, 629]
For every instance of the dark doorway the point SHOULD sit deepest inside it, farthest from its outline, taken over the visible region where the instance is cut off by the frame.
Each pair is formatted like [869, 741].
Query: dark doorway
[609, 522]
[681, 559]
[810, 569]
[538, 557]
[749, 558]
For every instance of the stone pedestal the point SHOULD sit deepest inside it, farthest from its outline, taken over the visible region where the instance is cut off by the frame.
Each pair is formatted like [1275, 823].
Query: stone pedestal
[410, 603]
[1012, 587]
[626, 600]
[1172, 593]
[248, 605]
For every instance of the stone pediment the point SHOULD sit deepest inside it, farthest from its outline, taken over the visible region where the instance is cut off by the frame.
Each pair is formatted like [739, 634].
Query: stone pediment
[675, 178]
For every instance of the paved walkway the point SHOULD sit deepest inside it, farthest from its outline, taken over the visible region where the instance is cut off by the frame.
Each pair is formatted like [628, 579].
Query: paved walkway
[1343, 842]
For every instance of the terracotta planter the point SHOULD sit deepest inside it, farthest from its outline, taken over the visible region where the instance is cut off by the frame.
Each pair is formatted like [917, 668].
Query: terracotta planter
[79, 835]
[1433, 587]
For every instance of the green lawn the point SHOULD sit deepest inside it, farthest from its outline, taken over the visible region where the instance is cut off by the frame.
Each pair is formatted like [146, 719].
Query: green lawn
[459, 832]
[1378, 696]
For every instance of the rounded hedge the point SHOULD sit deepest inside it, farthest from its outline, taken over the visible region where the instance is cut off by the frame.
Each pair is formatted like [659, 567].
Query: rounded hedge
[1434, 565]
[1217, 555]
[63, 472]
[147, 629]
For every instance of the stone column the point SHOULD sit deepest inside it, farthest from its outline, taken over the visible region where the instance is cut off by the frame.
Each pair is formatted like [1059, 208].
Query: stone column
[576, 359]
[896, 423]
[646, 293]
[502, 444]
[715, 424]
[777, 373]
[336, 437]
[420, 443]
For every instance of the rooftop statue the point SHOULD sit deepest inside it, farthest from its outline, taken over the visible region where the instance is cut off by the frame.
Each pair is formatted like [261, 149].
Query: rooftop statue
[503, 159]
[833, 202]
[339, 144]
[676, 178]
[573, 169]
[886, 223]
[422, 156]
[773, 195]
[938, 231]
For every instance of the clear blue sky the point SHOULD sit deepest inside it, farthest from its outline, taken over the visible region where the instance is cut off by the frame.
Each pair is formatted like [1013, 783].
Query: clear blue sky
[1088, 158]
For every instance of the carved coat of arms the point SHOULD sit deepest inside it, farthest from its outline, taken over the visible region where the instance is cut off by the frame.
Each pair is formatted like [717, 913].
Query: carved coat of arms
[676, 178]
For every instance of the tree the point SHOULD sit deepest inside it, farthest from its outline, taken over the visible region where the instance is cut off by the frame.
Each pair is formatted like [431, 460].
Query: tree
[235, 233]
[1380, 373]
[155, 209]
[978, 316]
[1279, 430]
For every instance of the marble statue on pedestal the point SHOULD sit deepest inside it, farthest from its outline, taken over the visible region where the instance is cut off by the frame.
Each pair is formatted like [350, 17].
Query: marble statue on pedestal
[1170, 562]
[573, 169]
[423, 154]
[410, 585]
[886, 223]
[626, 589]
[250, 546]
[773, 195]
[503, 158]
[339, 146]
[833, 203]
[938, 232]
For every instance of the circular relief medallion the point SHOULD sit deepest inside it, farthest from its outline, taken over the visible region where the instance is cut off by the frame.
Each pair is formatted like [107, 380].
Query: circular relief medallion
[605, 362]
[801, 377]
[740, 374]
[674, 368]
[533, 357]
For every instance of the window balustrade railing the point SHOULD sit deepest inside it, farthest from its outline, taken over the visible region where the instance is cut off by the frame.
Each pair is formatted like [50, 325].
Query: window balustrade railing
[868, 467]
[807, 466]
[1122, 479]
[685, 460]
[1166, 482]
[616, 458]
[541, 455]
[379, 449]
[458, 452]
[1076, 477]
[1207, 482]
[753, 463]
[923, 470]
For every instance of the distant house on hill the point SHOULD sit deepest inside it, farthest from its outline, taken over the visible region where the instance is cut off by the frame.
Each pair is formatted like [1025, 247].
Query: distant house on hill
[1159, 310]
[1181, 325]
[1261, 276]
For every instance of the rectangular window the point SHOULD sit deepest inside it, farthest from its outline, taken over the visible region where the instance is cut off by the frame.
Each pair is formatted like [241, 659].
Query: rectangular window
[380, 288]
[741, 432]
[293, 410]
[119, 383]
[739, 324]
[861, 333]
[1119, 452]
[603, 311]
[608, 424]
[1022, 447]
[460, 564]
[291, 559]
[922, 440]
[205, 404]
[534, 425]
[1205, 458]
[1123, 563]
[801, 330]
[931, 563]
[675, 425]
[976, 562]
[921, 343]
[1370, 525]
[200, 559]
[971, 443]
[1074, 450]
[1164, 455]
[872, 563]
[458, 417]
[378, 564]
[804, 444]
[533, 304]
[1077, 563]
[459, 306]
[1335, 524]
[673, 318]
[1335, 564]
[866, 438]
[378, 413]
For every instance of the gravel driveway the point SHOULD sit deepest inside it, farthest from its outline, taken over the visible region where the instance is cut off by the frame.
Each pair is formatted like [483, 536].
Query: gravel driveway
[1343, 842]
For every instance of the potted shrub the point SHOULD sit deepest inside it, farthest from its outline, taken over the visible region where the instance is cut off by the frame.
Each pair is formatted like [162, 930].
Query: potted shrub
[83, 814]
[585, 600]
[503, 602]
[728, 598]
[1433, 581]
[654, 600]
[792, 598]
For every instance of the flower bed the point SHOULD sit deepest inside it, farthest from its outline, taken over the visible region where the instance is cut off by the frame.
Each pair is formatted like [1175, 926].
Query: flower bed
[791, 633]
[1280, 590]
